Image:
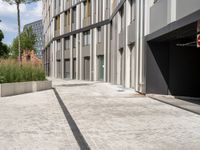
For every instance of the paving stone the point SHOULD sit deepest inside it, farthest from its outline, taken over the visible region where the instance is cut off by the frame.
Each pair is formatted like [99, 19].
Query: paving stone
[109, 119]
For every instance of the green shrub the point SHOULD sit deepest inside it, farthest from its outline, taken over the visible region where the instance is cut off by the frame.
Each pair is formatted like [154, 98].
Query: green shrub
[12, 71]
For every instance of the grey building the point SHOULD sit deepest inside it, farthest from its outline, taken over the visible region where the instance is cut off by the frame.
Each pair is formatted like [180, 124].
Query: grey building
[37, 27]
[140, 44]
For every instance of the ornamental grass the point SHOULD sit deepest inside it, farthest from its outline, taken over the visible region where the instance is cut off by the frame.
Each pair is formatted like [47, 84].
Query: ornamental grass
[12, 71]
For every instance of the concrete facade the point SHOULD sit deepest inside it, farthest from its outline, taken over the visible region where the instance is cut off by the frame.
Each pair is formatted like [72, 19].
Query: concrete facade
[101, 40]
[94, 40]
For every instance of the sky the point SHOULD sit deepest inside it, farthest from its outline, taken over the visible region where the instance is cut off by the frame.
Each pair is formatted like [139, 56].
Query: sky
[8, 16]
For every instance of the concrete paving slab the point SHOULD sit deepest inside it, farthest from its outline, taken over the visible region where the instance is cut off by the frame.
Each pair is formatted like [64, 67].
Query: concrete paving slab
[34, 121]
[189, 104]
[113, 120]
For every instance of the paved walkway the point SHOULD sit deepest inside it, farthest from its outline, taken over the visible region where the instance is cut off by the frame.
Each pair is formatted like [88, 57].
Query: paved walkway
[34, 122]
[187, 103]
[97, 116]
[112, 118]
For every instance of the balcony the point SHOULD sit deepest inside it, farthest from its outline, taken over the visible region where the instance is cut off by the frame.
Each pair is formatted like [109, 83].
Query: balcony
[86, 21]
[121, 39]
[131, 33]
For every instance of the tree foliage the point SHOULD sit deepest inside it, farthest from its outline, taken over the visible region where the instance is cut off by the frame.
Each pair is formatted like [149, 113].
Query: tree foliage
[4, 50]
[28, 40]
[17, 3]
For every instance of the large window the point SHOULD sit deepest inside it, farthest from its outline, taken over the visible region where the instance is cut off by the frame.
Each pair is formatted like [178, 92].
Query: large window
[57, 23]
[74, 41]
[121, 12]
[67, 43]
[74, 15]
[86, 38]
[58, 45]
[99, 35]
[87, 9]
[132, 5]
[67, 18]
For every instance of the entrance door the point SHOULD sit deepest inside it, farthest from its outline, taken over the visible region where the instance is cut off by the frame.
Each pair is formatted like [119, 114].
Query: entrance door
[101, 67]
[67, 68]
[58, 68]
[87, 68]
[74, 68]
[121, 66]
[132, 67]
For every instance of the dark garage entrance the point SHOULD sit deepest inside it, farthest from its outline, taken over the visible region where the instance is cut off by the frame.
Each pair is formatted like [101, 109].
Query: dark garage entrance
[173, 63]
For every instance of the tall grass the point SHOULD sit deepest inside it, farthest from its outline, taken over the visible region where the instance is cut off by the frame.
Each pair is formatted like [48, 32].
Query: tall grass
[12, 71]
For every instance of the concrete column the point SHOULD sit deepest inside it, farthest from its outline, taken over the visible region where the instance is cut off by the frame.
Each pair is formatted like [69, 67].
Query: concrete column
[95, 54]
[62, 57]
[91, 55]
[116, 38]
[54, 59]
[81, 57]
[77, 55]
[127, 49]
[142, 87]
[108, 71]
[62, 18]
[71, 57]
[82, 14]
[105, 50]
[103, 9]
[171, 12]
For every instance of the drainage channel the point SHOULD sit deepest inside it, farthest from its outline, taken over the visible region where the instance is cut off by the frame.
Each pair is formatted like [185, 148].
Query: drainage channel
[75, 130]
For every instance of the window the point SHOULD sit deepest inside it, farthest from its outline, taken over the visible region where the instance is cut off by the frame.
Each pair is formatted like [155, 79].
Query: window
[87, 9]
[67, 43]
[86, 38]
[122, 17]
[74, 41]
[74, 15]
[58, 45]
[132, 5]
[57, 23]
[99, 35]
[67, 18]
[111, 31]
[155, 1]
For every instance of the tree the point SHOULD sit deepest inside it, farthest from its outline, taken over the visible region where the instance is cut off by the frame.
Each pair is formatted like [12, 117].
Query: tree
[28, 40]
[17, 3]
[4, 50]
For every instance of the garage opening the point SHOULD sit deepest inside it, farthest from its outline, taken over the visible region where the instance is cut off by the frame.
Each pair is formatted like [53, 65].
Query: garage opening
[173, 64]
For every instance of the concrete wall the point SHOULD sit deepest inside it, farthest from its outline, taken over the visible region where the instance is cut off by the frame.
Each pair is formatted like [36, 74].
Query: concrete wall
[186, 7]
[158, 15]
[122, 34]
[9, 89]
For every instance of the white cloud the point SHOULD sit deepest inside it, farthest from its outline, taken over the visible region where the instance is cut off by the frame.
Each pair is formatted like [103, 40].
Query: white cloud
[7, 9]
[10, 28]
[8, 15]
